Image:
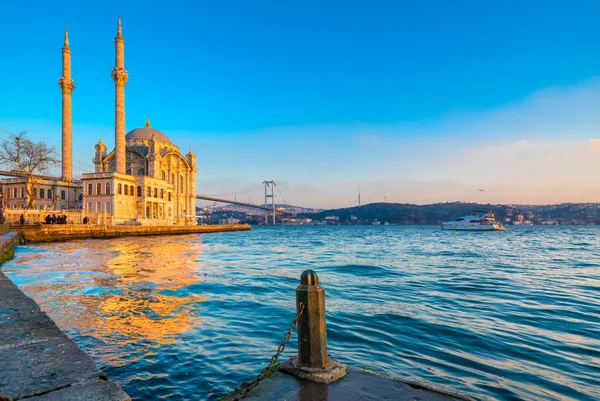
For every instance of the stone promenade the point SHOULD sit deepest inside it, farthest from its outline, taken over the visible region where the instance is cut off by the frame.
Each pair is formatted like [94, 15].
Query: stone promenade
[67, 232]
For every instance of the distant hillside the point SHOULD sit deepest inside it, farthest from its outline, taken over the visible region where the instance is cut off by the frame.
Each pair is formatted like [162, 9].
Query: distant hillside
[403, 213]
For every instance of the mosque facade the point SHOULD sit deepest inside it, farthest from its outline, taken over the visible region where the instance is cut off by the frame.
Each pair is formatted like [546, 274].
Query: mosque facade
[144, 180]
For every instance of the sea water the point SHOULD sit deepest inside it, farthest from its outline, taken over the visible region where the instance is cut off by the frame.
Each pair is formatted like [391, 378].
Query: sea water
[498, 315]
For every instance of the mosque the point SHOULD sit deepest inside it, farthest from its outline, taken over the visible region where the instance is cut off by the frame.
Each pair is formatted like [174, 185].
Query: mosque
[144, 180]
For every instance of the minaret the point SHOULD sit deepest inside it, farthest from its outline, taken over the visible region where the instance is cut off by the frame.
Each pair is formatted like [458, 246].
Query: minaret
[119, 75]
[67, 85]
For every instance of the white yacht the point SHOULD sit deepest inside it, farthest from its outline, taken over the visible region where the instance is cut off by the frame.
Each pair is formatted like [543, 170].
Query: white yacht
[484, 222]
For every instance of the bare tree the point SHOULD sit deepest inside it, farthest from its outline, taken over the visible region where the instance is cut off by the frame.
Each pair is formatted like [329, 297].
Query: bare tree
[22, 155]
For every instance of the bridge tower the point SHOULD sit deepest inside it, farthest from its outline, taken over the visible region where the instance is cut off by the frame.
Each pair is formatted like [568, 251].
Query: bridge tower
[269, 185]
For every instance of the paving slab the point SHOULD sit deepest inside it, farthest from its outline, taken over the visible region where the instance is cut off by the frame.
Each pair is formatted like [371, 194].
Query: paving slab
[95, 389]
[358, 384]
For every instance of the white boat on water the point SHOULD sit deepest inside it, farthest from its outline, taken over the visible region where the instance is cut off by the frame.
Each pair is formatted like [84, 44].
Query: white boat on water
[483, 222]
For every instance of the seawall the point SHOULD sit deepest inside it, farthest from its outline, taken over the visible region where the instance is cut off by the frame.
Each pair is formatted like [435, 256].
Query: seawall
[37, 360]
[66, 232]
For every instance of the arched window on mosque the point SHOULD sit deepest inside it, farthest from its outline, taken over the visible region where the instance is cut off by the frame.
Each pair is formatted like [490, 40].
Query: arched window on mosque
[98, 189]
[107, 188]
[89, 190]
[139, 191]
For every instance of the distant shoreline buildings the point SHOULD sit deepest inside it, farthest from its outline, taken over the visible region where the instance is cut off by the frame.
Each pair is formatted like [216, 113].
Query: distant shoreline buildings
[144, 180]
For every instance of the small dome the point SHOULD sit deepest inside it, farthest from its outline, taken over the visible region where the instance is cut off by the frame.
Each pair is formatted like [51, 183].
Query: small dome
[146, 133]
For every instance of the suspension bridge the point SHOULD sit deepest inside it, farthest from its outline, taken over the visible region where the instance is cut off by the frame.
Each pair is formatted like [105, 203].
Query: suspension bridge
[252, 197]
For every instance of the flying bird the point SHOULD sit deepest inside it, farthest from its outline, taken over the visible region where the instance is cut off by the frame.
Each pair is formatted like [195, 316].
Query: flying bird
[481, 190]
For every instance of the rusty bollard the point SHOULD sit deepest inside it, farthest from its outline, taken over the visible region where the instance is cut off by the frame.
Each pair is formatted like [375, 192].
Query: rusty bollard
[312, 362]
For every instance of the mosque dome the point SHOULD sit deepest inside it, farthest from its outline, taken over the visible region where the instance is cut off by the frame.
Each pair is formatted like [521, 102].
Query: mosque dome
[146, 133]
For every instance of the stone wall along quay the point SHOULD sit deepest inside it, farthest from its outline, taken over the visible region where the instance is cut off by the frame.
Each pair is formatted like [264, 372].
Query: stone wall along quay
[65, 232]
[39, 362]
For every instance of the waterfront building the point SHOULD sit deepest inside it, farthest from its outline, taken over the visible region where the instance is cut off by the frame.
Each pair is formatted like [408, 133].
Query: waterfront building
[144, 180]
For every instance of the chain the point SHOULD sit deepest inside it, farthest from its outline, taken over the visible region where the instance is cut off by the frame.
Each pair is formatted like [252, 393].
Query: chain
[274, 358]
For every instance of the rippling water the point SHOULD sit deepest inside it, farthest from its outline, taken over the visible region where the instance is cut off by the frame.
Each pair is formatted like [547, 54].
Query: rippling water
[503, 315]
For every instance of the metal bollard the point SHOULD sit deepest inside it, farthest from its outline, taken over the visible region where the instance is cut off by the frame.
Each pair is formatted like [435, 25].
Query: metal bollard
[312, 362]
[312, 333]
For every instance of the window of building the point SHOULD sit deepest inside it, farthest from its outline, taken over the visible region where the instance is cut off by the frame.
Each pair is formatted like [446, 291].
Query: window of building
[63, 195]
[49, 194]
[125, 189]
[89, 189]
[162, 193]
[41, 193]
[172, 179]
[7, 193]
[169, 196]
[149, 192]
[131, 191]
[155, 192]
[180, 183]
[119, 189]
[90, 206]
[99, 206]
[15, 192]
[107, 188]
[139, 191]
[107, 207]
[22, 192]
[98, 189]
[35, 192]
[164, 175]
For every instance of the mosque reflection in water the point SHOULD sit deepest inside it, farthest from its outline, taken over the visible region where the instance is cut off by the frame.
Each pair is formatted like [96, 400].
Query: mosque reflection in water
[120, 290]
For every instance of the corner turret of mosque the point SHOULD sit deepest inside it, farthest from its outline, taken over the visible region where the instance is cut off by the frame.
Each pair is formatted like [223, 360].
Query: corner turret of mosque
[144, 180]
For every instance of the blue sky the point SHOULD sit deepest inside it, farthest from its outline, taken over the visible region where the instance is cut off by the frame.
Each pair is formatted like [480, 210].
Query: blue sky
[325, 96]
